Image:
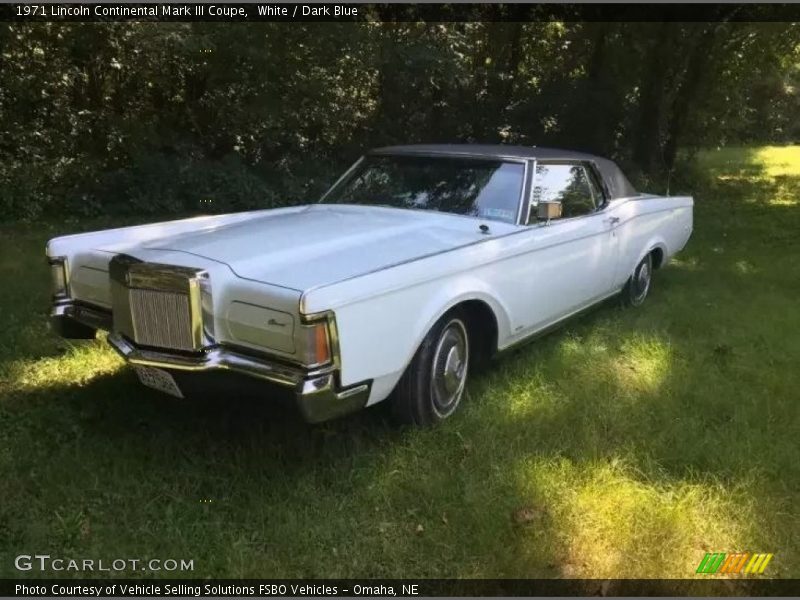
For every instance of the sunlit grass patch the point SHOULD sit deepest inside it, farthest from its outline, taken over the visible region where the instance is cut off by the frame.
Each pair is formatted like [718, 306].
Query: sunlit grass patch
[779, 161]
[80, 364]
[612, 523]
[785, 193]
[615, 364]
[744, 267]
[736, 163]
[642, 364]
[534, 395]
[687, 263]
[752, 172]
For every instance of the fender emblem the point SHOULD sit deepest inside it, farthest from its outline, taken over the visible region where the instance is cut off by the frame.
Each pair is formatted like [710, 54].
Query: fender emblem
[275, 323]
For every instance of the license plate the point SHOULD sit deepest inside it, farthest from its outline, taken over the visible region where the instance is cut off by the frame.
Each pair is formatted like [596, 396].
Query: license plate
[158, 380]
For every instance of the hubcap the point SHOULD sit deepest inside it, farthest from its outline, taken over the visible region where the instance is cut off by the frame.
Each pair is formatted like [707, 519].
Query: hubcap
[453, 369]
[642, 281]
[450, 362]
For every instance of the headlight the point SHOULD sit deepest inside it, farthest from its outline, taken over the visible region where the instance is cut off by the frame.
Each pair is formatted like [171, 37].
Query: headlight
[58, 276]
[316, 341]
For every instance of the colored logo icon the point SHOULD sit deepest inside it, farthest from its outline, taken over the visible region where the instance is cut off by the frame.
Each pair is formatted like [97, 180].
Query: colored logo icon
[736, 563]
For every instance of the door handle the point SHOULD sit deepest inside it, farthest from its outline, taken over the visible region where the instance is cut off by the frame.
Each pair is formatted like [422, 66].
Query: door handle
[612, 220]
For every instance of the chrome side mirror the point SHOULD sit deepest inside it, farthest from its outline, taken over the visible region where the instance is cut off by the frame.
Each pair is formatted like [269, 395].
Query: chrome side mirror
[545, 211]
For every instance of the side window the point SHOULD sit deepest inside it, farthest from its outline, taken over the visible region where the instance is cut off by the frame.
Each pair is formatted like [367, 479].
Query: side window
[564, 183]
[596, 187]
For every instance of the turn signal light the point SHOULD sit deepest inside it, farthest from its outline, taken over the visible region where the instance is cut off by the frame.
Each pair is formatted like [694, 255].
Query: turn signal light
[58, 274]
[322, 351]
[315, 343]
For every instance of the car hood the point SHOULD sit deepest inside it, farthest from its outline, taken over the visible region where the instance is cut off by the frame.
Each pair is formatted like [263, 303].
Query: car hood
[309, 246]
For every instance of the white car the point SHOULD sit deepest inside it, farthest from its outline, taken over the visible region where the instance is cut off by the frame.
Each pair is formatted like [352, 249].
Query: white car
[419, 263]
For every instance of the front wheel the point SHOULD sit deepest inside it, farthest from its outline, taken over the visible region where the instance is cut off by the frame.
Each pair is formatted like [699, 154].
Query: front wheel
[433, 384]
[638, 285]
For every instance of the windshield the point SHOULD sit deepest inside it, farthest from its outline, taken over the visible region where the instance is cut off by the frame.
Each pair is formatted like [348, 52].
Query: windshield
[488, 189]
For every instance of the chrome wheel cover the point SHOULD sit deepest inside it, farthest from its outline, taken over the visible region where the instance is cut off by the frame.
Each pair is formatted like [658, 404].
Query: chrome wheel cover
[641, 282]
[449, 368]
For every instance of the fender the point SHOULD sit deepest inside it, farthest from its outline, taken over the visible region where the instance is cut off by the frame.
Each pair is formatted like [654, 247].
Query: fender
[655, 243]
[447, 299]
[402, 329]
[627, 261]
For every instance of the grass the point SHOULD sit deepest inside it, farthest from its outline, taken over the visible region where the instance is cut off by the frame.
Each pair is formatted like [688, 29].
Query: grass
[627, 444]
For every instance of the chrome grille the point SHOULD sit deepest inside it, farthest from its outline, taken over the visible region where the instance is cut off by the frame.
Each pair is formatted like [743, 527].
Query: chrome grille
[161, 319]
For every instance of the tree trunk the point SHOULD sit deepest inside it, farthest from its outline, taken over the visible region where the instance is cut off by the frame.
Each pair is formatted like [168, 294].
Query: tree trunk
[651, 98]
[686, 97]
[505, 50]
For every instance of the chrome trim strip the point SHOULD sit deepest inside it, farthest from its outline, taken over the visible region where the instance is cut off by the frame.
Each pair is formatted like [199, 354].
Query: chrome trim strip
[344, 176]
[527, 201]
[535, 334]
[453, 154]
[524, 194]
[120, 302]
[605, 193]
[353, 391]
[86, 314]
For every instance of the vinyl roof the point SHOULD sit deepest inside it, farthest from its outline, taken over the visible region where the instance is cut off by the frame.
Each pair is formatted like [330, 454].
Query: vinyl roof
[615, 180]
[498, 150]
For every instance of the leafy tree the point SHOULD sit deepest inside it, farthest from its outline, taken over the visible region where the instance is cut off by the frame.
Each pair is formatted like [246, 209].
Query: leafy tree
[180, 117]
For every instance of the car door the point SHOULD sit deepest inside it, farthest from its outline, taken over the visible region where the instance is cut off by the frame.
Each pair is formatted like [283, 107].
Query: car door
[574, 257]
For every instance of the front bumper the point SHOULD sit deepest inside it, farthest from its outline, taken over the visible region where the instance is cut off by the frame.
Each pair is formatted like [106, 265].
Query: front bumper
[75, 320]
[316, 392]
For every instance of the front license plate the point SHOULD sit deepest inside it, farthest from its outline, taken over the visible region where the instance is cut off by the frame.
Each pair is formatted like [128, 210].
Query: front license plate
[159, 380]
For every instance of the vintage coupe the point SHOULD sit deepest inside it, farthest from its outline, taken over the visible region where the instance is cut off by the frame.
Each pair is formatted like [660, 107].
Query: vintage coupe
[420, 263]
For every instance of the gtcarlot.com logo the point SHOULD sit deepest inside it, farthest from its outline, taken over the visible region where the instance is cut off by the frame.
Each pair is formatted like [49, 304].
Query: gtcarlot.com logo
[45, 562]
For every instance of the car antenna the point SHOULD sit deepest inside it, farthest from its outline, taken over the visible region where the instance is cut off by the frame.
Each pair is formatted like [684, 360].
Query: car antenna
[669, 176]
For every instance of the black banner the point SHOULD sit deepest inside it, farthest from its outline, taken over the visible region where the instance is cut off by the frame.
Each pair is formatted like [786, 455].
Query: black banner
[350, 12]
[406, 588]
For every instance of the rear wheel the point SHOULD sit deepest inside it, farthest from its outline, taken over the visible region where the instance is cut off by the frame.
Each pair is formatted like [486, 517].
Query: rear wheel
[638, 285]
[433, 384]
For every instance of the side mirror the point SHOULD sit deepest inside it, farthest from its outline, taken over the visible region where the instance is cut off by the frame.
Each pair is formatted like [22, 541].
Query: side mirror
[548, 210]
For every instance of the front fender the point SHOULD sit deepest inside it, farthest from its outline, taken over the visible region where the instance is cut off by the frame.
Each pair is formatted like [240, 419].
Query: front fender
[379, 336]
[447, 299]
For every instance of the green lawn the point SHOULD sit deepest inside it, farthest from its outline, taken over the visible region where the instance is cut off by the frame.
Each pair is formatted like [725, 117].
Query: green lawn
[627, 444]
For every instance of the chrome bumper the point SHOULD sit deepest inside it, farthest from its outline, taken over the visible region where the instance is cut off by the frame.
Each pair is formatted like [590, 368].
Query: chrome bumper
[79, 321]
[316, 392]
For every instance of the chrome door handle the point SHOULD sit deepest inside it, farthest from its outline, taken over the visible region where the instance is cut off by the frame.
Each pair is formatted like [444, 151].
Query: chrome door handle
[612, 220]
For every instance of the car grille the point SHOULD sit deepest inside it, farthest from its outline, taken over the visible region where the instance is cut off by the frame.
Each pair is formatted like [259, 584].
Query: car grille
[161, 319]
[158, 305]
